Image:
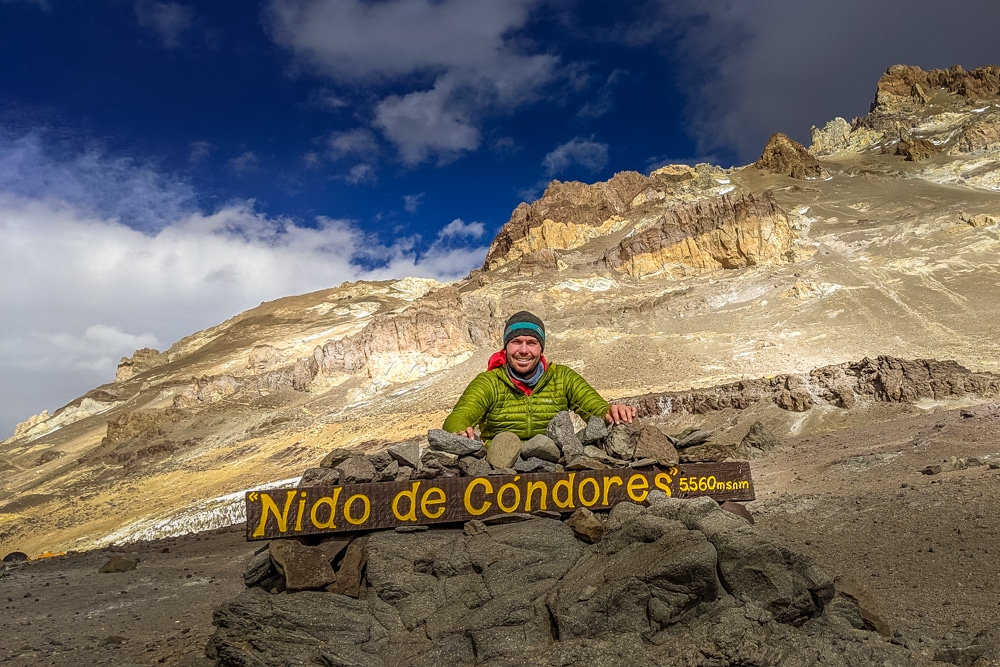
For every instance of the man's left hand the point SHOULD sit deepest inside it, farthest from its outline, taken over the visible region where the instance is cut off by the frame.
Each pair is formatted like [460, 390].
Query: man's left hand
[619, 413]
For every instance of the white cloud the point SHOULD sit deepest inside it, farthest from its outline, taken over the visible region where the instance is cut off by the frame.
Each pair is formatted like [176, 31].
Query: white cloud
[92, 182]
[358, 142]
[169, 20]
[361, 173]
[458, 228]
[244, 163]
[587, 153]
[427, 122]
[82, 289]
[411, 203]
[466, 47]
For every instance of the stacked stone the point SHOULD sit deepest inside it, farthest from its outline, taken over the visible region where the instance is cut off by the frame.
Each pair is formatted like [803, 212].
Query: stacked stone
[595, 447]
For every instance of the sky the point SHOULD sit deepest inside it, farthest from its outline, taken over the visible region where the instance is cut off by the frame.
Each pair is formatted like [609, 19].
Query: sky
[165, 165]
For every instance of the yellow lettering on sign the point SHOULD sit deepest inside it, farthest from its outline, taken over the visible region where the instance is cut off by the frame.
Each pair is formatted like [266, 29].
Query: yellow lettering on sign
[410, 495]
[347, 509]
[638, 487]
[517, 496]
[608, 483]
[328, 501]
[662, 482]
[597, 491]
[437, 499]
[566, 485]
[267, 504]
[300, 513]
[537, 486]
[467, 500]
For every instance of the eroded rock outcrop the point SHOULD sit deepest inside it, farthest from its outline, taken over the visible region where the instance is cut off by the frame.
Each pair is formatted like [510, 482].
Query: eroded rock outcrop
[569, 215]
[725, 233]
[883, 379]
[787, 157]
[905, 85]
[141, 361]
[659, 586]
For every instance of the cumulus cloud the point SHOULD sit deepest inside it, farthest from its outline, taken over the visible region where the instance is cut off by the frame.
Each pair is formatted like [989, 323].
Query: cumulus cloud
[465, 47]
[361, 173]
[587, 153]
[458, 228]
[782, 66]
[168, 20]
[83, 288]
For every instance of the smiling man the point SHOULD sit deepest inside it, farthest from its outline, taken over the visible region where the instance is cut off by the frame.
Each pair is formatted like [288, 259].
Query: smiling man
[520, 392]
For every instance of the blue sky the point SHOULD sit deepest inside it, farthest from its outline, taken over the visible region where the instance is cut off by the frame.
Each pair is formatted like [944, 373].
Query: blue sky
[167, 164]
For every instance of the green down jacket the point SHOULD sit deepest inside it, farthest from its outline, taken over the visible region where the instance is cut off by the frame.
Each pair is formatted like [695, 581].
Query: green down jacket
[492, 401]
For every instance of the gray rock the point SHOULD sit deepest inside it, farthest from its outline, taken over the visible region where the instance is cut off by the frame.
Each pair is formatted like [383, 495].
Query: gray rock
[389, 473]
[336, 457]
[651, 443]
[542, 447]
[620, 443]
[119, 563]
[406, 453]
[586, 525]
[534, 464]
[303, 567]
[760, 438]
[474, 527]
[600, 455]
[379, 459]
[692, 438]
[561, 431]
[531, 593]
[405, 473]
[319, 477]
[432, 469]
[586, 463]
[411, 529]
[502, 519]
[259, 568]
[356, 470]
[596, 430]
[442, 441]
[442, 457]
[474, 467]
[503, 450]
[642, 463]
[502, 471]
[351, 570]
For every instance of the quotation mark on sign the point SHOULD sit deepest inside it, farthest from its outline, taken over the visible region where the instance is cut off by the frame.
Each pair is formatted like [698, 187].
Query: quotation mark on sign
[252, 497]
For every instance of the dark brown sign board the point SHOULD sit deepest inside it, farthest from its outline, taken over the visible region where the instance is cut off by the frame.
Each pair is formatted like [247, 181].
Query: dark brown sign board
[291, 512]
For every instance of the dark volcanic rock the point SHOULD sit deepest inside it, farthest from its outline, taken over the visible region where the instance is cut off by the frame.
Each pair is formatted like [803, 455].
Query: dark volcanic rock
[883, 379]
[459, 445]
[664, 583]
[561, 431]
[356, 470]
[320, 477]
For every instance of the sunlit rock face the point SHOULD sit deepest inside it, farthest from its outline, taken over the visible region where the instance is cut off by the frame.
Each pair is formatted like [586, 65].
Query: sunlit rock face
[691, 281]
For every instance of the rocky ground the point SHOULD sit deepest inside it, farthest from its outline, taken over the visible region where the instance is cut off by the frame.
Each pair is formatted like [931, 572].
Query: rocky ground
[922, 548]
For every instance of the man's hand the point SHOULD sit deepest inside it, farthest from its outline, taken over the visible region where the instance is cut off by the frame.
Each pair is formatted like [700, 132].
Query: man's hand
[468, 433]
[619, 413]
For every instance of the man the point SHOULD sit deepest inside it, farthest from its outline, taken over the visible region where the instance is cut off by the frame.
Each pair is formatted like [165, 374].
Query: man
[521, 392]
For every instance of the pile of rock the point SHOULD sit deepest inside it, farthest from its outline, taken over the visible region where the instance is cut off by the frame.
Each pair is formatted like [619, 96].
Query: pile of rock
[562, 447]
[680, 582]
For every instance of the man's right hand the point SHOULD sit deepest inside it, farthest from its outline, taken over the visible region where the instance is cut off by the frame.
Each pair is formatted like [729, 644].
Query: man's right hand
[468, 433]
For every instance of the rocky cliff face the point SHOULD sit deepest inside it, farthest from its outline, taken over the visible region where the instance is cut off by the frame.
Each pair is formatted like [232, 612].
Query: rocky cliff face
[726, 233]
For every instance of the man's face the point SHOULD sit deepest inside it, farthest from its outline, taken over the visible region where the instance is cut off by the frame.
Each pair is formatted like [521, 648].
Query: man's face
[523, 354]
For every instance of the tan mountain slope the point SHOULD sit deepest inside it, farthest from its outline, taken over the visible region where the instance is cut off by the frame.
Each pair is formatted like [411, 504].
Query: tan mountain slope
[690, 277]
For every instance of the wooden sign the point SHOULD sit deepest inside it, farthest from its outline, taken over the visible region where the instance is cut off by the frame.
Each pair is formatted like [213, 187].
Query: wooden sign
[352, 507]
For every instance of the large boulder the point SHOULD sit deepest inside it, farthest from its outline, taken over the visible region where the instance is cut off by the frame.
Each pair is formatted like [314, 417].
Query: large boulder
[678, 583]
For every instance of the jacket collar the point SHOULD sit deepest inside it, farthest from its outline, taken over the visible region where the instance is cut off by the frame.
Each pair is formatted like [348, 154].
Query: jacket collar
[499, 361]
